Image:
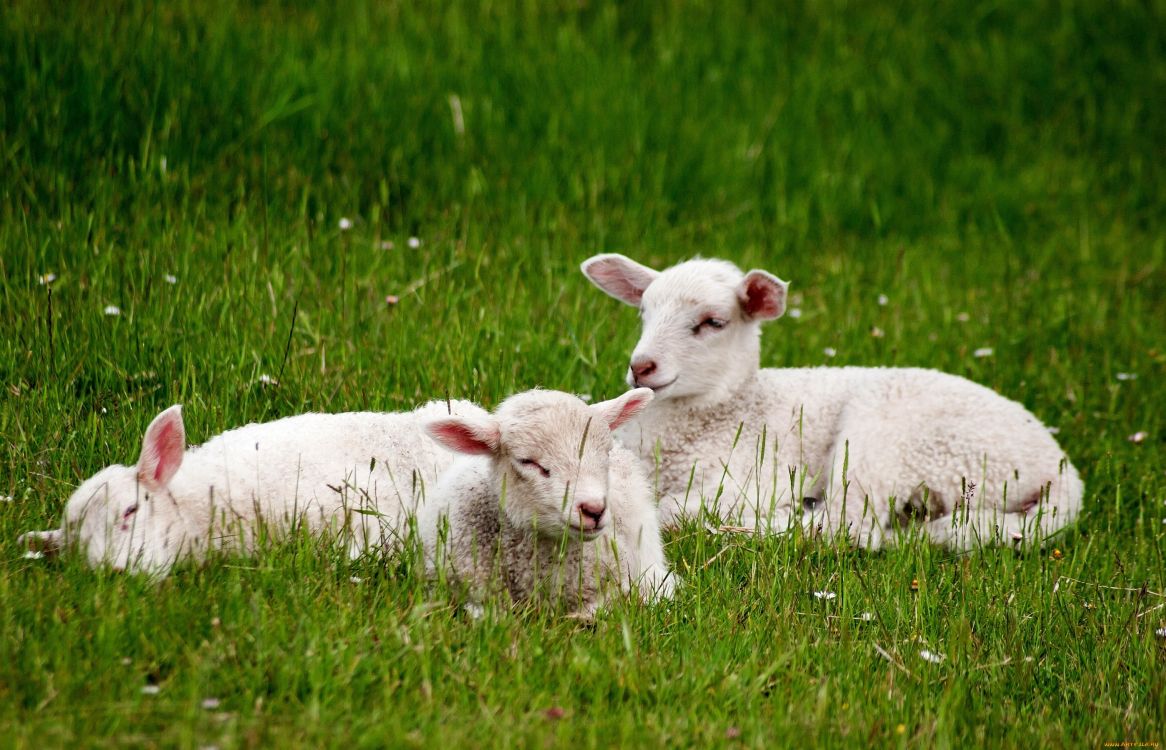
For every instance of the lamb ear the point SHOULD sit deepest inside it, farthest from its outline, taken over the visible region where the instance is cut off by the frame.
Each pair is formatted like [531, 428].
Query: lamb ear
[762, 295]
[45, 542]
[162, 449]
[619, 276]
[466, 435]
[619, 410]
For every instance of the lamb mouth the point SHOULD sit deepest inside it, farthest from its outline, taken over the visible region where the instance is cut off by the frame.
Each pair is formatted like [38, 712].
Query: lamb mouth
[658, 388]
[585, 533]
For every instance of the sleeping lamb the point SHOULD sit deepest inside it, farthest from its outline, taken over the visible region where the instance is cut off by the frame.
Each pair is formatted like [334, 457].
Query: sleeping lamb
[544, 506]
[860, 449]
[355, 475]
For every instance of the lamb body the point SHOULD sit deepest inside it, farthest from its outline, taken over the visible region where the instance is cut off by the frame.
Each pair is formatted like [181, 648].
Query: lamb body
[546, 507]
[859, 449]
[325, 472]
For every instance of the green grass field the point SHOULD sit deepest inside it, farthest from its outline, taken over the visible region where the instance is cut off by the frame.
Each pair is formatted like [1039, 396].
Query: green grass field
[997, 171]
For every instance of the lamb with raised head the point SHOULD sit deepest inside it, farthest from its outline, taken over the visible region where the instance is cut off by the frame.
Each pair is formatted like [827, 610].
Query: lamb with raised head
[355, 475]
[545, 506]
[860, 449]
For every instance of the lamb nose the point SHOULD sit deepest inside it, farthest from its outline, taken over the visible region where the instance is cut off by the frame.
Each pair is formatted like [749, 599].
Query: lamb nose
[594, 511]
[643, 368]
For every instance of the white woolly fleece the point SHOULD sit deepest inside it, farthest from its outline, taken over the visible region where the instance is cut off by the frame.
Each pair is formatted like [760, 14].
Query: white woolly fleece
[861, 450]
[507, 517]
[355, 474]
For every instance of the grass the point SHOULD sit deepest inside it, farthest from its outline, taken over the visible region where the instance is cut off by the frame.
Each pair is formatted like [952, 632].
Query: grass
[998, 172]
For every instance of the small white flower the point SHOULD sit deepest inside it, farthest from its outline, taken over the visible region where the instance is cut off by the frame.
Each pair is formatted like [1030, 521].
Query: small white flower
[414, 242]
[830, 351]
[794, 312]
[883, 300]
[47, 278]
[1053, 430]
[387, 245]
[984, 351]
[210, 704]
[33, 554]
[963, 317]
[1160, 632]
[345, 224]
[1138, 437]
[356, 579]
[866, 616]
[151, 689]
[1126, 376]
[266, 379]
[112, 310]
[931, 656]
[104, 410]
[391, 299]
[877, 332]
[5, 498]
[170, 278]
[825, 595]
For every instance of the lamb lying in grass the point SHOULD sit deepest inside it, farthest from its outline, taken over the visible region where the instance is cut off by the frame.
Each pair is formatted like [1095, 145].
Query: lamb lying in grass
[349, 474]
[544, 506]
[864, 449]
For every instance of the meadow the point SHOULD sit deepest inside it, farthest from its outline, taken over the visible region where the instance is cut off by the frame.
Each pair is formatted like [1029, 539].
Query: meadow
[258, 208]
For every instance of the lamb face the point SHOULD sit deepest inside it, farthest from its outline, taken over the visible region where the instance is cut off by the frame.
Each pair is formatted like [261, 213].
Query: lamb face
[701, 322]
[110, 516]
[550, 456]
[106, 519]
[555, 465]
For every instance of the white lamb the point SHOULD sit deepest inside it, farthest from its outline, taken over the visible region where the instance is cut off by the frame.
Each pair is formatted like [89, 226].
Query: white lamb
[863, 449]
[355, 475]
[545, 507]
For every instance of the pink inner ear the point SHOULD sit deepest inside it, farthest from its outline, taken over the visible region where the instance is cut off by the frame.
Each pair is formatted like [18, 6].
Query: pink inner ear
[162, 449]
[628, 409]
[763, 297]
[463, 438]
[169, 446]
[624, 282]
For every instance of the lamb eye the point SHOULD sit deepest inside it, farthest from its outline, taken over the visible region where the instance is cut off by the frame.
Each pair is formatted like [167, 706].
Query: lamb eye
[715, 324]
[532, 464]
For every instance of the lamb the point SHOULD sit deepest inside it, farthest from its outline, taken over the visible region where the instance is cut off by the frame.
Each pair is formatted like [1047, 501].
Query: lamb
[356, 475]
[865, 450]
[544, 507]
